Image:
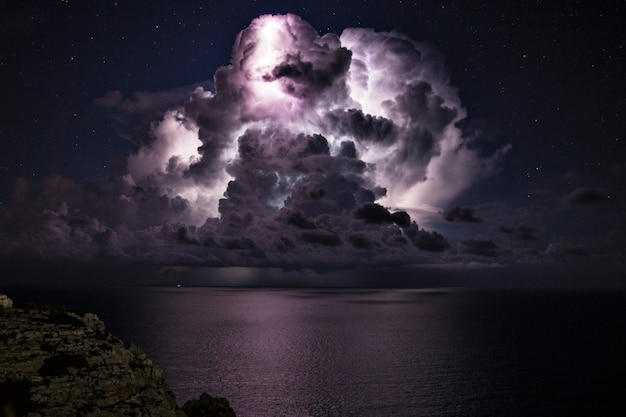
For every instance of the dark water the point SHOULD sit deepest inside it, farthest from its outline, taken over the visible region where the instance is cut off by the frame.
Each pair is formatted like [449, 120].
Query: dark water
[377, 352]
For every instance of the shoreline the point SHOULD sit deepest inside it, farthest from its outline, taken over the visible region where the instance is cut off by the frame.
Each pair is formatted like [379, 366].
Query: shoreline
[60, 362]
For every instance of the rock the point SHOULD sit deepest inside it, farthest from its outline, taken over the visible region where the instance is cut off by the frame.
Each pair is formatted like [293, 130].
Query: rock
[5, 301]
[207, 406]
[57, 362]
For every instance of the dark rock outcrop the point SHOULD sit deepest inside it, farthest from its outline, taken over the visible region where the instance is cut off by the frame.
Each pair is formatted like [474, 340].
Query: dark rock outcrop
[207, 406]
[58, 362]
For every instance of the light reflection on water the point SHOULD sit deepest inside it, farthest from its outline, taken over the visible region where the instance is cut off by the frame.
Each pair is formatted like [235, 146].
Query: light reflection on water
[333, 352]
[383, 353]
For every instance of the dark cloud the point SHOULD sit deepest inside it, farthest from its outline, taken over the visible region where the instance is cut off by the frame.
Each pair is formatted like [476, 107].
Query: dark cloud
[307, 79]
[373, 214]
[585, 196]
[563, 250]
[297, 219]
[428, 241]
[461, 214]
[527, 233]
[401, 218]
[322, 238]
[362, 127]
[360, 241]
[348, 150]
[183, 237]
[482, 247]
[238, 243]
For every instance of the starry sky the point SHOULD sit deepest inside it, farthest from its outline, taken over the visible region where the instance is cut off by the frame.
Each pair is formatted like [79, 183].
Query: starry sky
[542, 79]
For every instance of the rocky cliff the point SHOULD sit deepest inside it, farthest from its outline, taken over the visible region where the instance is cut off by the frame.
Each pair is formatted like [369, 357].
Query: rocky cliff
[58, 362]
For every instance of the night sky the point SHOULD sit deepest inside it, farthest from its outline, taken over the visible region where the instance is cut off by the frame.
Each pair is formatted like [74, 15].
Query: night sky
[86, 84]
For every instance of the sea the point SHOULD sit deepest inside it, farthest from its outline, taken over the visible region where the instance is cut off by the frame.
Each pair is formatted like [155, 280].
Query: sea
[370, 352]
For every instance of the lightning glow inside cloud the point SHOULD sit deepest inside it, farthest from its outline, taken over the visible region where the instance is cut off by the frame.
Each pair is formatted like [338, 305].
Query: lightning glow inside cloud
[302, 144]
[380, 93]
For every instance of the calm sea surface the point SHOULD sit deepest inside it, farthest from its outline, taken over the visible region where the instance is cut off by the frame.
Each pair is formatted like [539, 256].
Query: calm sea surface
[312, 352]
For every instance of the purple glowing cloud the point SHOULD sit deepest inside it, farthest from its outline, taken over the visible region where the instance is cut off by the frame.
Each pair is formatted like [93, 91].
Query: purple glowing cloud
[381, 94]
[302, 136]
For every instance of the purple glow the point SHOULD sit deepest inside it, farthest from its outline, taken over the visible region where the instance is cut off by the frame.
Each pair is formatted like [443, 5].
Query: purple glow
[382, 93]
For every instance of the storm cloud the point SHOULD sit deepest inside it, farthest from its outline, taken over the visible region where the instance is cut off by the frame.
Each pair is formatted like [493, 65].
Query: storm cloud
[304, 149]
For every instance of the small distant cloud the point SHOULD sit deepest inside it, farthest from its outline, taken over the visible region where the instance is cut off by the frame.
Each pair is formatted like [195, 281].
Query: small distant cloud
[110, 99]
[521, 232]
[461, 214]
[585, 196]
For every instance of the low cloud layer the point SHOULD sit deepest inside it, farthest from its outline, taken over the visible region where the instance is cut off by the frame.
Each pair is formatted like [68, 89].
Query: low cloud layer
[307, 149]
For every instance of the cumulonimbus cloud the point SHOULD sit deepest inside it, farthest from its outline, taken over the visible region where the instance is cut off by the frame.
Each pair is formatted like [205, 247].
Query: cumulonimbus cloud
[381, 97]
[304, 141]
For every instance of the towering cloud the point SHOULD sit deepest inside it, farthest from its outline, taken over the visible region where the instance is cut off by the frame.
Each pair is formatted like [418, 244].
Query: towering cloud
[379, 99]
[304, 145]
